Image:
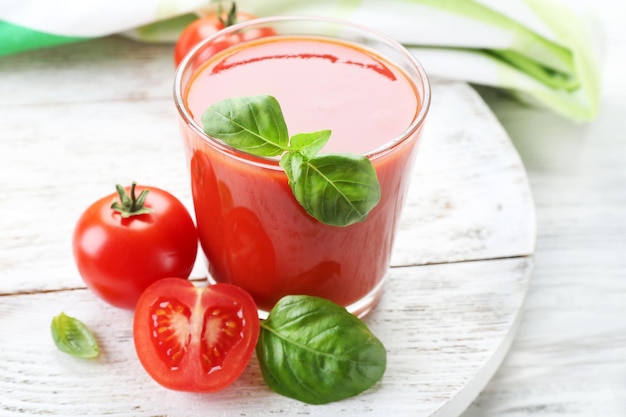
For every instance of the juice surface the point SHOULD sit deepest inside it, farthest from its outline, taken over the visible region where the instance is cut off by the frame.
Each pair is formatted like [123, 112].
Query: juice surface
[362, 99]
[251, 228]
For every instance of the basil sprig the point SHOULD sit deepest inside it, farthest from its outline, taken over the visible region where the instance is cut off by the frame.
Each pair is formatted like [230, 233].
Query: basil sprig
[72, 336]
[336, 189]
[314, 351]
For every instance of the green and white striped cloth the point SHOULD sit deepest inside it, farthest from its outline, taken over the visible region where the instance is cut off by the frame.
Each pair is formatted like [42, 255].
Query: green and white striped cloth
[548, 51]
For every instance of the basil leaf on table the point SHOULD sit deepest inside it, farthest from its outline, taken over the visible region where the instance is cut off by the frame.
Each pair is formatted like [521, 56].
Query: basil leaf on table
[336, 189]
[315, 351]
[73, 337]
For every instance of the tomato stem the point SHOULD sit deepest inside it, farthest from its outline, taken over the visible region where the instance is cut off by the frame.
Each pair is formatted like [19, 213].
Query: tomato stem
[130, 205]
[231, 17]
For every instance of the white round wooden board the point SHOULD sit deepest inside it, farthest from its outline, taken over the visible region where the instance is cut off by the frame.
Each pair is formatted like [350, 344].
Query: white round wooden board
[75, 120]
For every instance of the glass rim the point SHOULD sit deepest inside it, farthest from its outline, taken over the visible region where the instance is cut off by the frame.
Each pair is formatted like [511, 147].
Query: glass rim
[424, 96]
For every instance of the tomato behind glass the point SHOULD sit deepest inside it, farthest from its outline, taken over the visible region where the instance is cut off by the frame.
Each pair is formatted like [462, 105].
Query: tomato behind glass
[196, 339]
[208, 25]
[119, 257]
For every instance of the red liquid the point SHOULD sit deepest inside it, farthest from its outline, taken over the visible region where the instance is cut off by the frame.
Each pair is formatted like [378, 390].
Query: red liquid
[252, 230]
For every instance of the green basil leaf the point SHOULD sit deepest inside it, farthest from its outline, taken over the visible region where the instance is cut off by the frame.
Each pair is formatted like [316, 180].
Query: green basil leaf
[291, 163]
[309, 144]
[315, 351]
[72, 336]
[252, 124]
[336, 189]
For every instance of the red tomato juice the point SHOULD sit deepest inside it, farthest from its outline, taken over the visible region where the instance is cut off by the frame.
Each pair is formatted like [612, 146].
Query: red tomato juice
[251, 228]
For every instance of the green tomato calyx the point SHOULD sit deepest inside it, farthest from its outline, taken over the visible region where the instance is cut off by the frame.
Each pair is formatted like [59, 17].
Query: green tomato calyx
[130, 205]
[231, 16]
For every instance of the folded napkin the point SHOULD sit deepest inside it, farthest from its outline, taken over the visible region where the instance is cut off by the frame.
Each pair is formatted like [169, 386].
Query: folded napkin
[545, 51]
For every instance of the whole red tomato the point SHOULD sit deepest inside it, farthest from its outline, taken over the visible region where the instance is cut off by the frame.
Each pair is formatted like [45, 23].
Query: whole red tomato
[195, 339]
[210, 24]
[122, 248]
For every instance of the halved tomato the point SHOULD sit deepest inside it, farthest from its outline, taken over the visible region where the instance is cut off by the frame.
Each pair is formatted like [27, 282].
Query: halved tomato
[197, 339]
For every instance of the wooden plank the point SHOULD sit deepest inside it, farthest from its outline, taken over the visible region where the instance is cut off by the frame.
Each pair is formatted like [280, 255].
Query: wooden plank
[72, 156]
[109, 69]
[445, 327]
[469, 198]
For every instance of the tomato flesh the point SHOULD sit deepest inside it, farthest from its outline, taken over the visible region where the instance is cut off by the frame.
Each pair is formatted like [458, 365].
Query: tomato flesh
[170, 335]
[195, 339]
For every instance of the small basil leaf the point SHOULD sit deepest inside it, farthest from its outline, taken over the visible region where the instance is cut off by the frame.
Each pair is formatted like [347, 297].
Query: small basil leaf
[252, 124]
[314, 351]
[71, 336]
[291, 164]
[309, 144]
[337, 189]
[285, 163]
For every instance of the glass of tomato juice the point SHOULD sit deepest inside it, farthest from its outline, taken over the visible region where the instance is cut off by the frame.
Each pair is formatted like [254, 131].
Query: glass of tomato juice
[326, 74]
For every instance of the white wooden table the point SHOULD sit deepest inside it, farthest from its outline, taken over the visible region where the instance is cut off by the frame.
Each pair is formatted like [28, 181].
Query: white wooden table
[76, 120]
[569, 355]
